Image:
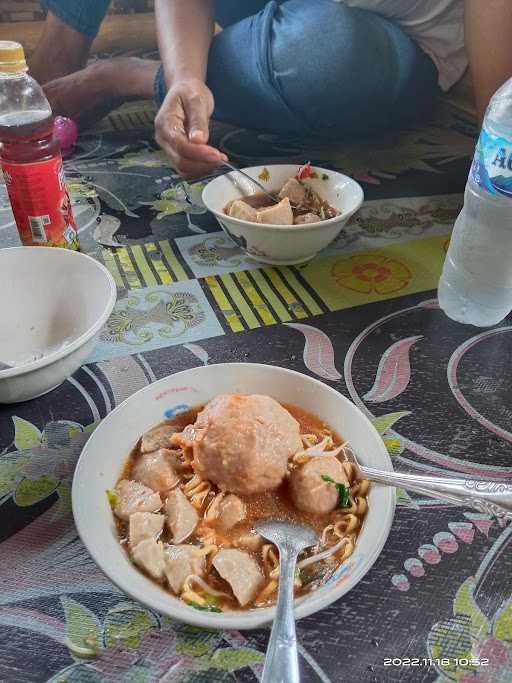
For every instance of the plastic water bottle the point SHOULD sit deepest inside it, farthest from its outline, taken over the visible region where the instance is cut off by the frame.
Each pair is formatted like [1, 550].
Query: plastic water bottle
[476, 284]
[30, 157]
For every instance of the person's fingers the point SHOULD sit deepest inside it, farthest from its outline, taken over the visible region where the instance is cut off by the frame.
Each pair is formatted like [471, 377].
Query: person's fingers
[198, 119]
[193, 151]
[198, 163]
[190, 169]
[189, 154]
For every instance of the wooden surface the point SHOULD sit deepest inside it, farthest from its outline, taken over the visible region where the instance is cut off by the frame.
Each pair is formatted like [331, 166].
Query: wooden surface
[119, 32]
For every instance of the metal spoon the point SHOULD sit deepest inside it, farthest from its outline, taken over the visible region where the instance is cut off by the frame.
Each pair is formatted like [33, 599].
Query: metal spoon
[4, 366]
[282, 660]
[244, 189]
[490, 497]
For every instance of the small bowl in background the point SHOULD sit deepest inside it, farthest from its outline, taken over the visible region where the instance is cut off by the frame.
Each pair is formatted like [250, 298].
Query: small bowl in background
[284, 244]
[53, 304]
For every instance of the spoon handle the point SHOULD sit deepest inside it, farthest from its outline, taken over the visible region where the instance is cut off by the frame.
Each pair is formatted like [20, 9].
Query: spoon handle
[255, 183]
[491, 497]
[282, 660]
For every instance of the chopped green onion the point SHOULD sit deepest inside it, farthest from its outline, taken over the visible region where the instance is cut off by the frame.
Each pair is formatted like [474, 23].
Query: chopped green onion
[343, 490]
[204, 608]
[264, 175]
[325, 176]
[112, 498]
[211, 601]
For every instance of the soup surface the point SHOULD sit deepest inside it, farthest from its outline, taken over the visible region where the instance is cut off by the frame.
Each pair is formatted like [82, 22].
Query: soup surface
[296, 203]
[194, 486]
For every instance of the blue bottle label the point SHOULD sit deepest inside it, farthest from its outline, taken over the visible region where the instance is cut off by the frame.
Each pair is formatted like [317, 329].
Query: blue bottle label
[492, 165]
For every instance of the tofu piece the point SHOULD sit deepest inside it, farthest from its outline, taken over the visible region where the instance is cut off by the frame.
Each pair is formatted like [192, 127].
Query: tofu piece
[182, 517]
[307, 218]
[279, 214]
[132, 496]
[241, 571]
[149, 555]
[155, 470]
[182, 561]
[294, 190]
[144, 525]
[248, 540]
[158, 437]
[239, 209]
[231, 511]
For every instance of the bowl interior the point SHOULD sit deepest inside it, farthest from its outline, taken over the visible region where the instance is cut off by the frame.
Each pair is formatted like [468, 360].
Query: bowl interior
[119, 432]
[339, 190]
[48, 297]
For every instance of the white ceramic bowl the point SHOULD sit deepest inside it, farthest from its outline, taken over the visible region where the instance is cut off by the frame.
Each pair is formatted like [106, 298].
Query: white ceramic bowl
[106, 451]
[283, 244]
[53, 304]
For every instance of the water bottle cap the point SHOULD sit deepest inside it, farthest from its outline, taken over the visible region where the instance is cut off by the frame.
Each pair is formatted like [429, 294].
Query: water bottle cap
[12, 57]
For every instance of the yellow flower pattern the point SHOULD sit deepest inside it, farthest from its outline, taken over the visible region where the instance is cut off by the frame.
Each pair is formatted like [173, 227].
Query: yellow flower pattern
[371, 273]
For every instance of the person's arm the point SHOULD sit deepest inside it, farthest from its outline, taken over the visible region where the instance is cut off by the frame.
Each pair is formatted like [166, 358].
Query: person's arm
[185, 30]
[489, 46]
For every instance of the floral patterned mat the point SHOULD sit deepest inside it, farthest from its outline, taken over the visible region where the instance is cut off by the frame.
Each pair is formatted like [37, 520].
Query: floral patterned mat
[363, 318]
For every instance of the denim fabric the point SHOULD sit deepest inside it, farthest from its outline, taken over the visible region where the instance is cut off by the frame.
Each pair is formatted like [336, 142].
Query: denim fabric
[303, 66]
[85, 16]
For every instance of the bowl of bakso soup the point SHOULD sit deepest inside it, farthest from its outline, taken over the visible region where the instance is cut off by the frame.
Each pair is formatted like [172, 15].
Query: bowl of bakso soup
[169, 487]
[307, 211]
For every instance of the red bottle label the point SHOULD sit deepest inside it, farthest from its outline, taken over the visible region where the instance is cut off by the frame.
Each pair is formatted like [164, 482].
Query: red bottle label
[40, 203]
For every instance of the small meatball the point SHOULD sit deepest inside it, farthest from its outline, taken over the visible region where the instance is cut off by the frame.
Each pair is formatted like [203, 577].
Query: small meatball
[144, 525]
[279, 214]
[132, 496]
[158, 437]
[294, 190]
[248, 540]
[307, 218]
[182, 516]
[182, 561]
[241, 571]
[310, 492]
[242, 443]
[231, 511]
[239, 209]
[155, 470]
[149, 555]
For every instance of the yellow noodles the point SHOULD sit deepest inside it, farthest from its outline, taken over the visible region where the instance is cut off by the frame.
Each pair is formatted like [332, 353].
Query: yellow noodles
[197, 490]
[266, 593]
[194, 578]
[212, 511]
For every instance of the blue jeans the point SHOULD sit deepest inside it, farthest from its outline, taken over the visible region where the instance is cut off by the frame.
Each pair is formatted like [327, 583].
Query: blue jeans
[301, 66]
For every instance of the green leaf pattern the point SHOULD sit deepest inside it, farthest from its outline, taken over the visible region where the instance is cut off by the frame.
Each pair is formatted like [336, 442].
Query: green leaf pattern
[384, 423]
[26, 435]
[32, 491]
[83, 629]
[143, 644]
[461, 636]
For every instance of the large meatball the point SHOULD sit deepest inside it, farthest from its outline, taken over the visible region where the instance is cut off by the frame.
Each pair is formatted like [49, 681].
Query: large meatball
[242, 443]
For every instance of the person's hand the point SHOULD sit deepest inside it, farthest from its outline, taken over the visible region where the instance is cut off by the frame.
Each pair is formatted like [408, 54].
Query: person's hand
[182, 128]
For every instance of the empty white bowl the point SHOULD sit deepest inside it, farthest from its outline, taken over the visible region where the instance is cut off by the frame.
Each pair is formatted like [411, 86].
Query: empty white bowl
[283, 244]
[104, 455]
[53, 304]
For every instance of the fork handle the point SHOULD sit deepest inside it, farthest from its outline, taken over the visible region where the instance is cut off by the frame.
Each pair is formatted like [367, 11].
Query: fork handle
[491, 497]
[282, 660]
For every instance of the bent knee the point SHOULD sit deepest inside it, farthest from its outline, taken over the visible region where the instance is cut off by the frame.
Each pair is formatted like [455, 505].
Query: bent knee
[338, 67]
